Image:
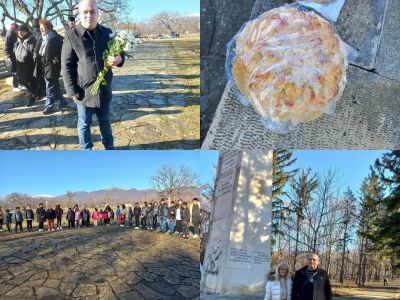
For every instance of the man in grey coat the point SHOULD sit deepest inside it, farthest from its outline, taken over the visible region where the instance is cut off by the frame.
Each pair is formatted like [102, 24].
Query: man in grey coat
[82, 60]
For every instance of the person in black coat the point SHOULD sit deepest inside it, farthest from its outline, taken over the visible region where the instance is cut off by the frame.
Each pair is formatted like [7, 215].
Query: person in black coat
[71, 218]
[82, 60]
[137, 211]
[9, 42]
[171, 217]
[50, 216]
[23, 49]
[311, 282]
[195, 217]
[29, 216]
[185, 215]
[48, 64]
[41, 216]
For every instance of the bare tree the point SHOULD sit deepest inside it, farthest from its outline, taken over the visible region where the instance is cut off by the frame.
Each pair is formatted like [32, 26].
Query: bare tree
[300, 196]
[349, 212]
[171, 182]
[17, 199]
[70, 195]
[57, 10]
[167, 20]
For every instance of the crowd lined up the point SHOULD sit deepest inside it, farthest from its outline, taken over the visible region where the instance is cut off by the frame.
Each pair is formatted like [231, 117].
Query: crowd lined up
[174, 218]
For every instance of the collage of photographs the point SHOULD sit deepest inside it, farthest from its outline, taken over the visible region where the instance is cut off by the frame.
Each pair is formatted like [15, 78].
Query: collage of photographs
[254, 149]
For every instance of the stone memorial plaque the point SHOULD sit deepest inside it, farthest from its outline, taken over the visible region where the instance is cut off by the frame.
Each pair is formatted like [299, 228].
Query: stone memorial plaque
[226, 178]
[239, 258]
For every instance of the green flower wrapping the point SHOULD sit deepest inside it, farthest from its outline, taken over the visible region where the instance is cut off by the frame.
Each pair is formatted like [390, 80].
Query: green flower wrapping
[120, 43]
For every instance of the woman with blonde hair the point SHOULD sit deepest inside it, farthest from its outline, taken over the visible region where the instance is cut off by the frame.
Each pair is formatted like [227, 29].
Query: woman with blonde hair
[279, 286]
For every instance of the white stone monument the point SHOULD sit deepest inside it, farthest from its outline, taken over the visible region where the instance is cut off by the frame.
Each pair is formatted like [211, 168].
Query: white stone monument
[237, 256]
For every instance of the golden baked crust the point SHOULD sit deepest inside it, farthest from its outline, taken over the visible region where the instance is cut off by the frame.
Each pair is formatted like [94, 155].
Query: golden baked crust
[290, 65]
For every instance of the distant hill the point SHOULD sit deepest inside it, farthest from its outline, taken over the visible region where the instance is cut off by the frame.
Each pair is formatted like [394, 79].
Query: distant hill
[117, 196]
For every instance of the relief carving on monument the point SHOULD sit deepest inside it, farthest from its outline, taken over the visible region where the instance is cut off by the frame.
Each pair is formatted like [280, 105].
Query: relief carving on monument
[214, 256]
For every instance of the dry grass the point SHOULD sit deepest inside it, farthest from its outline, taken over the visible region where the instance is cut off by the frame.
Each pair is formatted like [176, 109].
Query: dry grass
[186, 52]
[187, 59]
[1, 48]
[373, 288]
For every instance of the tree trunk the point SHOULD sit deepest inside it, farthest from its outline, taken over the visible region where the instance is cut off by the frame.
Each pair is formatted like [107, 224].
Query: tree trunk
[296, 244]
[364, 264]
[361, 254]
[341, 279]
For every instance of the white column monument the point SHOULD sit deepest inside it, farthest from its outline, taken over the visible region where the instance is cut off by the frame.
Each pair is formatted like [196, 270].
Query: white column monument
[237, 257]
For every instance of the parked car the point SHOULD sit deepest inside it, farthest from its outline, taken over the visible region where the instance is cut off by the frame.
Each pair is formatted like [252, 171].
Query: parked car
[174, 35]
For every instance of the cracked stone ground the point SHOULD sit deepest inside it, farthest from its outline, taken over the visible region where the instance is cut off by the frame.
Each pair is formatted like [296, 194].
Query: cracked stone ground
[98, 263]
[155, 105]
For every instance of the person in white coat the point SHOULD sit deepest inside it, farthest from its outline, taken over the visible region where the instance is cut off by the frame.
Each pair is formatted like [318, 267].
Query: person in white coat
[279, 287]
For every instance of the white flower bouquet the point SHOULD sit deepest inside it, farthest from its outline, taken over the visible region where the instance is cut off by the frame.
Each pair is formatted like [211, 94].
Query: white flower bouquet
[121, 43]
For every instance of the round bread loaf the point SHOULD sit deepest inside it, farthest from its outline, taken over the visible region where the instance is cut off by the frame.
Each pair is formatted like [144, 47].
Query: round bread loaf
[290, 65]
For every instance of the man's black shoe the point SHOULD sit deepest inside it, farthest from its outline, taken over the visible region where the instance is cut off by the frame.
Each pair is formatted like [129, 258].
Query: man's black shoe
[63, 104]
[48, 111]
[31, 101]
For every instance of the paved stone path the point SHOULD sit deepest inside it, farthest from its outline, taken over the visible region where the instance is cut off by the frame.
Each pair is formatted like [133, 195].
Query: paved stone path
[149, 110]
[98, 263]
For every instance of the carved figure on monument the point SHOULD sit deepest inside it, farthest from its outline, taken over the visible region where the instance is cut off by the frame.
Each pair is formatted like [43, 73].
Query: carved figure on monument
[214, 254]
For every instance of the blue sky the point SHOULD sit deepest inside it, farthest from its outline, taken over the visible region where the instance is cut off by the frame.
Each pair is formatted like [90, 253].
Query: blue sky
[209, 162]
[143, 9]
[55, 172]
[351, 166]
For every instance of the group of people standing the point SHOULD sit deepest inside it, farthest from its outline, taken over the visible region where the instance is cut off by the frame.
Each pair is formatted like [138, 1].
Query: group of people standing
[173, 218]
[309, 283]
[39, 56]
[43, 215]
[35, 60]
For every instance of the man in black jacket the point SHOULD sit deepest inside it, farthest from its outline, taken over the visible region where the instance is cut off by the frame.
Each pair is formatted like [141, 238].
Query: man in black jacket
[9, 43]
[71, 218]
[29, 216]
[82, 60]
[311, 282]
[41, 216]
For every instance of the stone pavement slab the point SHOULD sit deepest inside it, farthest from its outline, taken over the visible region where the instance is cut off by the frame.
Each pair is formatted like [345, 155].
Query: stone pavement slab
[110, 262]
[388, 60]
[220, 20]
